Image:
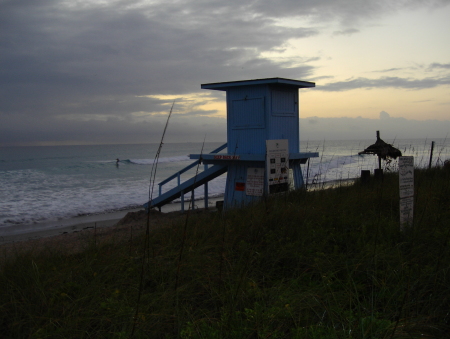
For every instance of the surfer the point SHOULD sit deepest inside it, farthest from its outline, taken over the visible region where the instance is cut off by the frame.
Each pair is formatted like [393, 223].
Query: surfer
[117, 162]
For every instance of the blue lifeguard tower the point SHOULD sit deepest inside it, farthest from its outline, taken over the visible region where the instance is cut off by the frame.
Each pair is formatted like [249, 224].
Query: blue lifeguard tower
[261, 113]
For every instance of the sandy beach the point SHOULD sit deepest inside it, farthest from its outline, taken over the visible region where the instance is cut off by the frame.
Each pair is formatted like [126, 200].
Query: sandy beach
[17, 233]
[75, 238]
[20, 233]
[68, 233]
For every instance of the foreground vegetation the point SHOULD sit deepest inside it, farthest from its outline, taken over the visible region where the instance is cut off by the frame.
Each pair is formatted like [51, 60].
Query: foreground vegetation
[322, 264]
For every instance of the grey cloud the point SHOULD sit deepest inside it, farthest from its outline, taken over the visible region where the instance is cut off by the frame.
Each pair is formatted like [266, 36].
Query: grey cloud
[384, 115]
[362, 128]
[347, 12]
[384, 82]
[418, 101]
[438, 65]
[63, 59]
[24, 130]
[388, 70]
[348, 31]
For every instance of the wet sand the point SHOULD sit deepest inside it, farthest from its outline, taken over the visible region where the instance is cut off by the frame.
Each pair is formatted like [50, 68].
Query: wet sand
[20, 233]
[36, 231]
[78, 237]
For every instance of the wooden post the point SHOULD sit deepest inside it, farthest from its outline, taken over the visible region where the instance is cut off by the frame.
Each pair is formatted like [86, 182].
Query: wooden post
[206, 190]
[379, 159]
[182, 201]
[431, 154]
[365, 177]
[378, 174]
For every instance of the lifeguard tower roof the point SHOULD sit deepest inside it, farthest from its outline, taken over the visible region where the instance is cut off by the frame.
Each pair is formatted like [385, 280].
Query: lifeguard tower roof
[223, 86]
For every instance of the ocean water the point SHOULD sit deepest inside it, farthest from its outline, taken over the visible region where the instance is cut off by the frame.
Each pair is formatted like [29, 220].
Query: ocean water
[48, 183]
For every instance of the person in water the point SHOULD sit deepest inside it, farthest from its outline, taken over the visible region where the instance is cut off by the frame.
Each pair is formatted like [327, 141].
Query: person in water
[117, 161]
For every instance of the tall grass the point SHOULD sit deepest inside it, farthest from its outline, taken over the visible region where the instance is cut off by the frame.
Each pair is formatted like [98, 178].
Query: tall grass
[321, 264]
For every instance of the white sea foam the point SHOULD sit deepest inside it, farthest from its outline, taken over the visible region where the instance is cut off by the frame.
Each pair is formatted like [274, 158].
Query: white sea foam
[46, 198]
[330, 168]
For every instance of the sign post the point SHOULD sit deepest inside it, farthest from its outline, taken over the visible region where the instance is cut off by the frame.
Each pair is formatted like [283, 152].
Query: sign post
[406, 185]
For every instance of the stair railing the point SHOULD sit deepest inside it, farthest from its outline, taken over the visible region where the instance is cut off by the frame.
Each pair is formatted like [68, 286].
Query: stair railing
[187, 168]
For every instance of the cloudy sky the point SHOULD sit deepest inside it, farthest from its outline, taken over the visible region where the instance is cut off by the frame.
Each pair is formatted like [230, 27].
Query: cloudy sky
[95, 71]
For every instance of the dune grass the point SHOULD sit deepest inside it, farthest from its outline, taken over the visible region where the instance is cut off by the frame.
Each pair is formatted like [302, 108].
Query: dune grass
[321, 264]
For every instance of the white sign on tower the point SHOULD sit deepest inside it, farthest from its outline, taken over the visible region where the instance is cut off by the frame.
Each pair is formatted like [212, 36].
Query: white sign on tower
[255, 181]
[277, 164]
